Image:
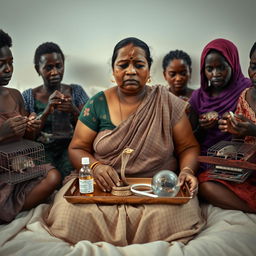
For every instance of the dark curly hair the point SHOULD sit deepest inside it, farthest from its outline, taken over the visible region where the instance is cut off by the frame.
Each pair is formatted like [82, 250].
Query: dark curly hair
[253, 49]
[46, 48]
[177, 54]
[136, 42]
[5, 39]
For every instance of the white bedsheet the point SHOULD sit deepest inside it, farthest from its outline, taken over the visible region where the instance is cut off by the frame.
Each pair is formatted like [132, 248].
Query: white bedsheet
[231, 233]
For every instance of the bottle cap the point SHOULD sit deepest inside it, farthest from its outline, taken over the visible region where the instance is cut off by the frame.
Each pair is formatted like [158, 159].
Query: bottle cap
[85, 160]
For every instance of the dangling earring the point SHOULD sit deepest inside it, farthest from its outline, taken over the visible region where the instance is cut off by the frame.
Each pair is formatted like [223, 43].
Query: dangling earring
[209, 83]
[149, 80]
[112, 80]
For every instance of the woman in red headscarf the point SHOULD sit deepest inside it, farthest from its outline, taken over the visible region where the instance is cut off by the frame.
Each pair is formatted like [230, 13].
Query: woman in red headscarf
[222, 82]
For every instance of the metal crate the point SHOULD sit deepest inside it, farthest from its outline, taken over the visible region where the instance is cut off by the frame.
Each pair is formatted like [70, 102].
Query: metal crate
[21, 160]
[232, 150]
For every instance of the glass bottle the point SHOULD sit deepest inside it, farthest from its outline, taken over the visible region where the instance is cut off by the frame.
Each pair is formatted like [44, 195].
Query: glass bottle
[86, 186]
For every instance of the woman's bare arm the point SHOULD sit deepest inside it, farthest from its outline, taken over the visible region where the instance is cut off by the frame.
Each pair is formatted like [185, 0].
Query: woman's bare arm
[81, 144]
[187, 150]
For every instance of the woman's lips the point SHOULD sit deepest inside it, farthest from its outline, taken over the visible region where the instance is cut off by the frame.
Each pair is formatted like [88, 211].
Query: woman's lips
[55, 80]
[217, 82]
[179, 85]
[7, 78]
[130, 81]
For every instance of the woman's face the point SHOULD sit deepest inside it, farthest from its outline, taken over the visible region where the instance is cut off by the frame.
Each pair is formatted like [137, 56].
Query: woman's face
[217, 70]
[131, 70]
[252, 69]
[51, 68]
[177, 74]
[6, 67]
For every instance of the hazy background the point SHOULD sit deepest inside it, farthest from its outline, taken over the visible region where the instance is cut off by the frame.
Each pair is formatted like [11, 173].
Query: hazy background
[87, 31]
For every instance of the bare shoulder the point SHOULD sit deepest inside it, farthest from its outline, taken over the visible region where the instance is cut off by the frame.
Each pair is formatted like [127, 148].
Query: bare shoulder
[66, 86]
[15, 93]
[37, 89]
[110, 91]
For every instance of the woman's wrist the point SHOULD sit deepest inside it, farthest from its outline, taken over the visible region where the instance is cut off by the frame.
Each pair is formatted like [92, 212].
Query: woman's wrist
[45, 114]
[187, 169]
[94, 164]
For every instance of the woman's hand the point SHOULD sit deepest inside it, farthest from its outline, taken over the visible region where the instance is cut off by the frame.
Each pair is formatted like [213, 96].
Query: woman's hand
[33, 123]
[225, 124]
[66, 105]
[187, 176]
[238, 125]
[54, 101]
[14, 126]
[106, 177]
[207, 123]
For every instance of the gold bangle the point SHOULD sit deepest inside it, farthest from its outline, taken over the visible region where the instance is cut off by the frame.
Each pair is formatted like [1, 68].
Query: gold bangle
[187, 168]
[93, 165]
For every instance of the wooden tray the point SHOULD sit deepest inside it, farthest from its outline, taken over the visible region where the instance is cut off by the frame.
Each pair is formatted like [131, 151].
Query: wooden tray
[73, 196]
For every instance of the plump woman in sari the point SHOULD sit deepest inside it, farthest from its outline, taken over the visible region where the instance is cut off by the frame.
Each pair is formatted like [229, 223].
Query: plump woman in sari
[149, 120]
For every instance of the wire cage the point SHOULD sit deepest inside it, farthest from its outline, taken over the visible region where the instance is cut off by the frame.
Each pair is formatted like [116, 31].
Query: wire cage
[230, 151]
[21, 160]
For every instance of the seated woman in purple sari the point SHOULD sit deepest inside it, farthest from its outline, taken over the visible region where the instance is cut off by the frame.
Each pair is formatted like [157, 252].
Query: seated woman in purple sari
[222, 82]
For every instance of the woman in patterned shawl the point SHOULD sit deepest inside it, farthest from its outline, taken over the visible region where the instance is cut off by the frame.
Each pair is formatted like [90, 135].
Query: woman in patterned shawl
[58, 105]
[150, 120]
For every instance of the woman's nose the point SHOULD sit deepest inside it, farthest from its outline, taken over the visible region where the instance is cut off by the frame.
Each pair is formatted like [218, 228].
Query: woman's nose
[178, 77]
[216, 72]
[7, 68]
[54, 71]
[131, 69]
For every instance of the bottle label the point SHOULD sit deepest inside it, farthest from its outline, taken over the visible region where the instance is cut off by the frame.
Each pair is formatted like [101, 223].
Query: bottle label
[86, 186]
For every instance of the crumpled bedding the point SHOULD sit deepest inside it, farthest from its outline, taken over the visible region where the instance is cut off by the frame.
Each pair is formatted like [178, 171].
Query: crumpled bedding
[228, 232]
